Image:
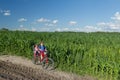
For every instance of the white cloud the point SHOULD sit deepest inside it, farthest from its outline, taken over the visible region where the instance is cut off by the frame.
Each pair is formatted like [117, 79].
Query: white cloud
[52, 23]
[113, 26]
[91, 29]
[72, 23]
[101, 24]
[55, 21]
[63, 29]
[42, 20]
[58, 29]
[22, 28]
[5, 12]
[66, 29]
[49, 24]
[34, 29]
[22, 20]
[69, 29]
[116, 16]
[109, 26]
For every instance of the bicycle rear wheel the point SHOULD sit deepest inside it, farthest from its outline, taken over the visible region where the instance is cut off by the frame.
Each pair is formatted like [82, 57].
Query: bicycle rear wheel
[48, 64]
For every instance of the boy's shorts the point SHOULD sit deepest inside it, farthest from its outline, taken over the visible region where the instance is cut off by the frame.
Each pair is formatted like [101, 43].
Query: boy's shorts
[42, 53]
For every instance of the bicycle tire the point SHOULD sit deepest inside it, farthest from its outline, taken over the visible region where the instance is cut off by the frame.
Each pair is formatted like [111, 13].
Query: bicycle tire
[48, 64]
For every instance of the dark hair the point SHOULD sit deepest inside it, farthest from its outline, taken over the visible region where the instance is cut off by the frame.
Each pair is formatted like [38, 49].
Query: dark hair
[35, 45]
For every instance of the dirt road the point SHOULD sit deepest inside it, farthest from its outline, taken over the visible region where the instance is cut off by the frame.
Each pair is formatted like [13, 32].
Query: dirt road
[19, 68]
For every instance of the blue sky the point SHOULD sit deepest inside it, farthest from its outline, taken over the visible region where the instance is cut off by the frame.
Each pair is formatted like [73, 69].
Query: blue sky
[60, 15]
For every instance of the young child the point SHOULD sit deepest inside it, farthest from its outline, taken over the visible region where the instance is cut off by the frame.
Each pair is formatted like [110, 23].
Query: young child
[36, 51]
[42, 49]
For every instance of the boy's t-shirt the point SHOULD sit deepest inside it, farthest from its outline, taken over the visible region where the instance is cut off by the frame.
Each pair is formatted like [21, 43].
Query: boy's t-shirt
[42, 48]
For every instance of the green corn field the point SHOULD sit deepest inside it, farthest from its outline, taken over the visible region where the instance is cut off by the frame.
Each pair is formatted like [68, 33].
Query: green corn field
[96, 54]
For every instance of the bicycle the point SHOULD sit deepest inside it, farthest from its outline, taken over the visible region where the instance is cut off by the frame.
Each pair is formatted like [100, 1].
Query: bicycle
[47, 62]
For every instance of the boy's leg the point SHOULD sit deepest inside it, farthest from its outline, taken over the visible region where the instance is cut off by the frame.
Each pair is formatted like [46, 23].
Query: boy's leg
[42, 55]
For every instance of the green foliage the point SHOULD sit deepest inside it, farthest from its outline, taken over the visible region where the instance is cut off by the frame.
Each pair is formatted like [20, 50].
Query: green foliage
[82, 53]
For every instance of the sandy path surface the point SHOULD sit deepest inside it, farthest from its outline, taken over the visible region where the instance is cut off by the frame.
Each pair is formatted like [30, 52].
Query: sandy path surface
[24, 68]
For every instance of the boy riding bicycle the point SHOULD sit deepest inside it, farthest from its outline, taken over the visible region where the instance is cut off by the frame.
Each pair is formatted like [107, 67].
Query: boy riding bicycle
[44, 60]
[42, 49]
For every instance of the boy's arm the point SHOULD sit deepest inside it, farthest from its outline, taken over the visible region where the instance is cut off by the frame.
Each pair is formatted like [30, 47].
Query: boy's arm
[45, 49]
[39, 48]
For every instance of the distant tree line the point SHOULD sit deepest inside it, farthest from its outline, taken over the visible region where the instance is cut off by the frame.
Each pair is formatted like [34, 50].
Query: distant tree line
[4, 29]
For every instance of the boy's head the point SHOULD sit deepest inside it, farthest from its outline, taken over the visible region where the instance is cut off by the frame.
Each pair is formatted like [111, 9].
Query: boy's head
[41, 43]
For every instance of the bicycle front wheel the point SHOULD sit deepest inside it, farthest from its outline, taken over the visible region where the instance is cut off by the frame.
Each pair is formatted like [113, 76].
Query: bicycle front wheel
[48, 64]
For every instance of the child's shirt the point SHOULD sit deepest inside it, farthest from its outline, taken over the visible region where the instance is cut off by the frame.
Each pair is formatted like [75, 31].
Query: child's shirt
[42, 48]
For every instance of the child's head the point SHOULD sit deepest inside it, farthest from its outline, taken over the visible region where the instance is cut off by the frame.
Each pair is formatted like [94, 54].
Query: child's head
[41, 43]
[35, 45]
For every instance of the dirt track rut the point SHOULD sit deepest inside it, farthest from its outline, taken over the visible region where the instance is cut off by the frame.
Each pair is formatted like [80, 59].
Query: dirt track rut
[12, 71]
[17, 68]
